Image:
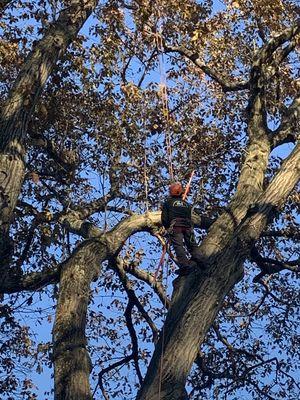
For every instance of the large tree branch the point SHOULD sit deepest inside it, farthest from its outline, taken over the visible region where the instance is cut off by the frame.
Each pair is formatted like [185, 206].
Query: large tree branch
[250, 184]
[37, 68]
[265, 54]
[270, 266]
[254, 167]
[18, 108]
[273, 197]
[226, 85]
[29, 282]
[198, 297]
[288, 131]
[118, 265]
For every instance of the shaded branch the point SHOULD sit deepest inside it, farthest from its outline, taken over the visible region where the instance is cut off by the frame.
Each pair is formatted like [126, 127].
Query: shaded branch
[271, 266]
[29, 282]
[194, 57]
[104, 371]
[134, 340]
[288, 131]
[117, 265]
[285, 233]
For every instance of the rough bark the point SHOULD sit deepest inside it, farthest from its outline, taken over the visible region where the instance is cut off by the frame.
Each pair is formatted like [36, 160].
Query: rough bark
[17, 110]
[198, 297]
[71, 359]
[36, 280]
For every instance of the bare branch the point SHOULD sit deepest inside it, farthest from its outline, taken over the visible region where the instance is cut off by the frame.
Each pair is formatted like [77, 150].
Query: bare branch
[230, 347]
[285, 233]
[270, 266]
[117, 364]
[134, 341]
[117, 265]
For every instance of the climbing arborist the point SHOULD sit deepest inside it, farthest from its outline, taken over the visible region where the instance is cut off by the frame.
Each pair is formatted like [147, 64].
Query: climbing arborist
[177, 219]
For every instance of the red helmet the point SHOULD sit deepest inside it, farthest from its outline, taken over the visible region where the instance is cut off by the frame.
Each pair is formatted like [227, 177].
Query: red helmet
[176, 189]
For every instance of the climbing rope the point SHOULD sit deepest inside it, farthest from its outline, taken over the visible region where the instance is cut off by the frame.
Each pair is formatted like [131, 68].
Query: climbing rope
[161, 361]
[146, 187]
[166, 115]
[164, 97]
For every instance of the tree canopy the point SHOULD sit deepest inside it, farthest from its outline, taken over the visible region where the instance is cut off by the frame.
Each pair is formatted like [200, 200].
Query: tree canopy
[101, 101]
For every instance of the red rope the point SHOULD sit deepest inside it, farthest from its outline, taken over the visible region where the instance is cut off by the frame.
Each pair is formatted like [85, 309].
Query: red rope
[161, 261]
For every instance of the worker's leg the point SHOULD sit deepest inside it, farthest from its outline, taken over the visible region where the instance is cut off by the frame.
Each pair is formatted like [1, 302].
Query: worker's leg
[191, 244]
[177, 241]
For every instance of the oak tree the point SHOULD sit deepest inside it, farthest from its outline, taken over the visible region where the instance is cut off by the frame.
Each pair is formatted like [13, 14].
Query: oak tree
[100, 102]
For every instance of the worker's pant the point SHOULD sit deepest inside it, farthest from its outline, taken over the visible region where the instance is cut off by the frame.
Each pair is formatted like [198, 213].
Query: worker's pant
[180, 237]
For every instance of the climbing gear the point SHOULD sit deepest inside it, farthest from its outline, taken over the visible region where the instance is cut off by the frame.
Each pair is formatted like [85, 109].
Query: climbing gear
[176, 189]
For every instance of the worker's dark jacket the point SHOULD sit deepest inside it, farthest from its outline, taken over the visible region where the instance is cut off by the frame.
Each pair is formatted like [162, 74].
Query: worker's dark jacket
[176, 218]
[176, 211]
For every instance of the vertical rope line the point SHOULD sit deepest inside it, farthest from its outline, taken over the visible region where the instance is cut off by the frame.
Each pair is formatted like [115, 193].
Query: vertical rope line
[161, 362]
[164, 97]
[146, 177]
[166, 115]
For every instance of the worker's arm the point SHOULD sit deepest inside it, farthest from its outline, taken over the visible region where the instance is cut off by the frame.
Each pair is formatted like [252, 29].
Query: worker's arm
[165, 215]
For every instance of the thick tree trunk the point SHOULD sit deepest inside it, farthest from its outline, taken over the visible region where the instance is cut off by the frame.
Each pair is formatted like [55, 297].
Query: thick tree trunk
[17, 110]
[11, 177]
[195, 303]
[71, 359]
[198, 297]
[72, 364]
